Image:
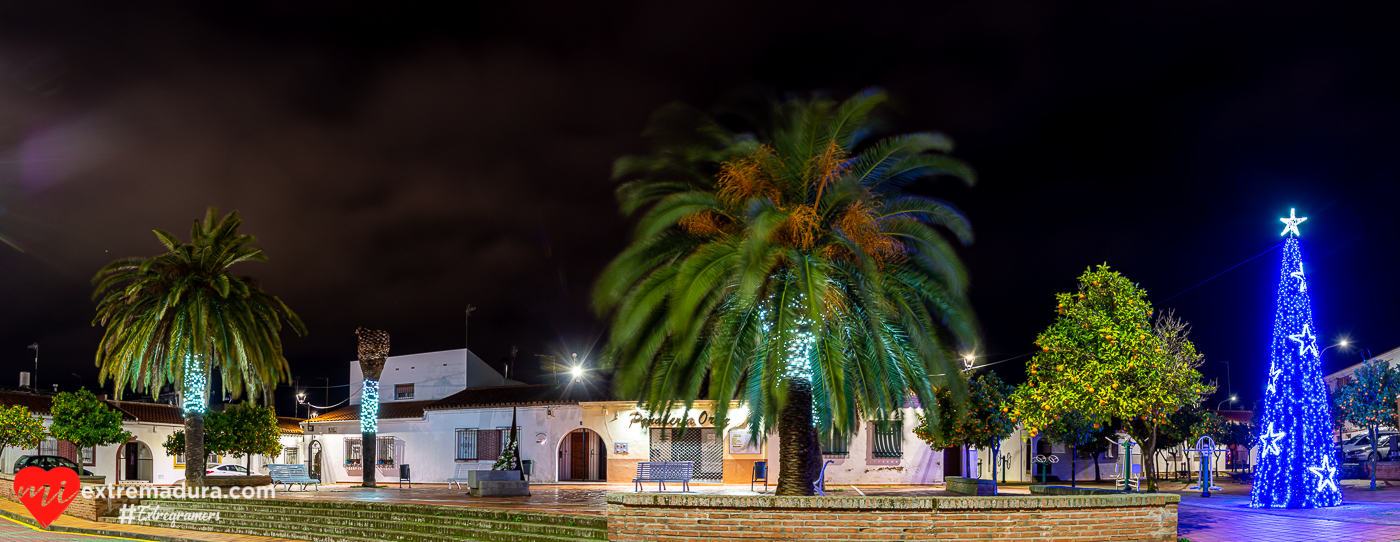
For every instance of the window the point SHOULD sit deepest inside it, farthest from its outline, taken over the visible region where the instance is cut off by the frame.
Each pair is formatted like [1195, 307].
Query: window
[403, 391]
[888, 439]
[478, 444]
[384, 455]
[352, 452]
[290, 454]
[835, 443]
[48, 447]
[89, 456]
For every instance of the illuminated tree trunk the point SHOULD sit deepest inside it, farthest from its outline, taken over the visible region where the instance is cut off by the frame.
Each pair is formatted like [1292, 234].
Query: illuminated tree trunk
[374, 351]
[193, 401]
[795, 436]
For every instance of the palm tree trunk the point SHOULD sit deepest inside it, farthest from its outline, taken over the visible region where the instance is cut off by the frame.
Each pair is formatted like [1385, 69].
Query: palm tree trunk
[795, 436]
[368, 443]
[194, 449]
[1097, 477]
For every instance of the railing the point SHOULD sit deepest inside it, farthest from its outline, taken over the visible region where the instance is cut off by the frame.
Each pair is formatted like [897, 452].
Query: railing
[835, 443]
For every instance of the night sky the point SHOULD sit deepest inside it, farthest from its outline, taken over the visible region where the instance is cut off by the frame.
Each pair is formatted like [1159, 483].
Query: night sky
[399, 162]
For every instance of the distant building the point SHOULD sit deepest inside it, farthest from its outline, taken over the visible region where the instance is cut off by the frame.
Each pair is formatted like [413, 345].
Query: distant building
[1344, 376]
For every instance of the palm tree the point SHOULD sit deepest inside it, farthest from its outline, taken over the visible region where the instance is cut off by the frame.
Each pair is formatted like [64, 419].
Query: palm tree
[373, 353]
[788, 266]
[176, 317]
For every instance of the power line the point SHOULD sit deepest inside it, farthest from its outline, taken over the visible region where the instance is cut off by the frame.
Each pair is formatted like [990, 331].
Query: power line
[1232, 268]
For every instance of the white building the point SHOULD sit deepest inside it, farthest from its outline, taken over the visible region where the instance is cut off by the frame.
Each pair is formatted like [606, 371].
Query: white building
[142, 460]
[1342, 377]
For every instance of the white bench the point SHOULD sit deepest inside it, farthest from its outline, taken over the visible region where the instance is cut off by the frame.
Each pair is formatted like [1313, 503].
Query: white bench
[459, 476]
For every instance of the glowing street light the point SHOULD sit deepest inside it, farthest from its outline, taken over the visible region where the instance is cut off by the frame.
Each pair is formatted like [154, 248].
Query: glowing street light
[577, 372]
[968, 360]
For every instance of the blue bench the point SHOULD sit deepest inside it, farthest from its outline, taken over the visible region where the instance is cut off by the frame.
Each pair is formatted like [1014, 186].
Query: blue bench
[665, 471]
[291, 474]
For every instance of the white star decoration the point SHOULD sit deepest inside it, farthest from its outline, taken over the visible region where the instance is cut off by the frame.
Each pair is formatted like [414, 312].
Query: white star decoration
[1302, 283]
[1270, 441]
[1291, 223]
[1273, 375]
[1306, 341]
[1326, 474]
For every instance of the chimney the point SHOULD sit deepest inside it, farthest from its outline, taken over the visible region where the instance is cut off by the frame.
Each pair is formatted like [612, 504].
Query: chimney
[24, 379]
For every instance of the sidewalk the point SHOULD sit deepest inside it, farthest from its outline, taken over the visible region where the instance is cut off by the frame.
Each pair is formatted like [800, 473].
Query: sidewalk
[68, 528]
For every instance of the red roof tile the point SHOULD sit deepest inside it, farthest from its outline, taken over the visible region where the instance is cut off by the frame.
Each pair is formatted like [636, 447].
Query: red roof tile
[536, 394]
[151, 412]
[387, 411]
[290, 426]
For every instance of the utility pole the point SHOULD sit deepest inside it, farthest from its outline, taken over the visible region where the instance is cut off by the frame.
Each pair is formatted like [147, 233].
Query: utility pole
[34, 380]
[327, 398]
[467, 343]
[506, 375]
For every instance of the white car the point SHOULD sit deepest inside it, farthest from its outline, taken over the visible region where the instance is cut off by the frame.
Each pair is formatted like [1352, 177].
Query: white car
[1358, 448]
[226, 470]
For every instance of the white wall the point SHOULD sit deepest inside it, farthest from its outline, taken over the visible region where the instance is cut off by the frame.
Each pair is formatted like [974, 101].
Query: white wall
[429, 446]
[435, 375]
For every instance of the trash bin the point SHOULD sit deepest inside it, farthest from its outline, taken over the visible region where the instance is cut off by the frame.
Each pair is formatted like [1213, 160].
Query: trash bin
[527, 467]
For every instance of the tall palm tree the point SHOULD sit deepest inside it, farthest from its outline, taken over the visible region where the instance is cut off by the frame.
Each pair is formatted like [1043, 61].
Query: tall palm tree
[373, 353]
[788, 266]
[176, 317]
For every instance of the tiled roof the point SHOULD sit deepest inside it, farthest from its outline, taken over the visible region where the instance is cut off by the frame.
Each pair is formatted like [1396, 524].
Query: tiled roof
[387, 411]
[151, 412]
[290, 426]
[534, 394]
[1240, 416]
[43, 404]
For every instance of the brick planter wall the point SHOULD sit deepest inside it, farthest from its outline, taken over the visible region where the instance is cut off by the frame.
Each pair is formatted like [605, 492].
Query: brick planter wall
[705, 518]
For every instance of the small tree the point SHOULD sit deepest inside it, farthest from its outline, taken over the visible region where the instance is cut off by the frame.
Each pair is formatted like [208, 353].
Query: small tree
[81, 418]
[1368, 401]
[1103, 358]
[19, 428]
[1210, 424]
[983, 422]
[245, 429]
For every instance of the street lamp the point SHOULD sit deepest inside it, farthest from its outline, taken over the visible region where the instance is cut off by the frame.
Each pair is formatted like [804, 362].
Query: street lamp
[34, 379]
[1229, 387]
[968, 360]
[576, 371]
[1342, 343]
[1232, 400]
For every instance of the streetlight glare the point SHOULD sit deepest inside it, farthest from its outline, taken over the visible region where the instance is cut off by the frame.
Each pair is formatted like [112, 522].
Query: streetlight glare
[576, 371]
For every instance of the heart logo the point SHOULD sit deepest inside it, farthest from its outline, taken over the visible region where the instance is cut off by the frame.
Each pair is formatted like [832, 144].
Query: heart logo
[46, 493]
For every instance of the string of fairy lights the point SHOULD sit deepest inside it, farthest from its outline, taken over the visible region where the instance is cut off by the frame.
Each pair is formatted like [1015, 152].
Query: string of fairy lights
[196, 387]
[1296, 466]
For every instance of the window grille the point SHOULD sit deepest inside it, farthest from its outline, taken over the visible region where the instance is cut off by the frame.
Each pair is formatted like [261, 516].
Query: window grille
[352, 452]
[478, 444]
[835, 442]
[291, 455]
[889, 439]
[403, 391]
[384, 455]
[48, 447]
[89, 456]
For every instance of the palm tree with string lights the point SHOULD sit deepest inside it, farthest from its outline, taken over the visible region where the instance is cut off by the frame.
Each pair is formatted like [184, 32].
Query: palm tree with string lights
[789, 266]
[176, 317]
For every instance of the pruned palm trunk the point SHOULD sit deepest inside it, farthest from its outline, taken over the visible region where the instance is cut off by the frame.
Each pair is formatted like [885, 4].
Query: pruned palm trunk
[373, 352]
[194, 449]
[795, 437]
[1097, 477]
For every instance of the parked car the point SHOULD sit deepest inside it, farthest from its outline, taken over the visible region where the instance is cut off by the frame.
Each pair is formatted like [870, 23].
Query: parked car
[1358, 448]
[49, 462]
[226, 470]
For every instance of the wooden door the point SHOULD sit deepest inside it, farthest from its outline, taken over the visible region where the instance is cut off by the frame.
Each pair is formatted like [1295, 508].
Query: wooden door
[578, 451]
[952, 461]
[133, 461]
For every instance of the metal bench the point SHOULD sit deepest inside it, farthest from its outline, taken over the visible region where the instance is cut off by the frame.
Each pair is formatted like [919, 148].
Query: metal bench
[665, 471]
[459, 476]
[291, 474]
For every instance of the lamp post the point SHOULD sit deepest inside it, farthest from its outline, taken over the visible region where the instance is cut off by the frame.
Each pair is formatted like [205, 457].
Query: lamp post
[1232, 400]
[1229, 387]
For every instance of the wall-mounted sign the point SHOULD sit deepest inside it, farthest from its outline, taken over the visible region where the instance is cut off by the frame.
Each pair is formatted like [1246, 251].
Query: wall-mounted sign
[702, 419]
[741, 441]
[540, 438]
[620, 448]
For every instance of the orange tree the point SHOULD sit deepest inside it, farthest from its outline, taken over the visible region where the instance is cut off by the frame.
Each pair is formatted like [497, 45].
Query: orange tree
[1368, 401]
[1104, 358]
[19, 428]
[984, 422]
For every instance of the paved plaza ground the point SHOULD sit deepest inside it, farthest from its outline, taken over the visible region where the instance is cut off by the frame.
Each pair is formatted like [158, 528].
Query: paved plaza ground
[1224, 517]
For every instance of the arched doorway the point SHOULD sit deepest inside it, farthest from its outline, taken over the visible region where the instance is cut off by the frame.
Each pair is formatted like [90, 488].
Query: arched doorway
[583, 457]
[313, 456]
[134, 462]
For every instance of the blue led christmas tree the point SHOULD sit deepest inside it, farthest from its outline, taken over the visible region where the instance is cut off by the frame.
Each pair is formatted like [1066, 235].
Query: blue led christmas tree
[1296, 466]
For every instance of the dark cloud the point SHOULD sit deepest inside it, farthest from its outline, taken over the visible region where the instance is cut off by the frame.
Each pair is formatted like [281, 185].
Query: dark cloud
[399, 162]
